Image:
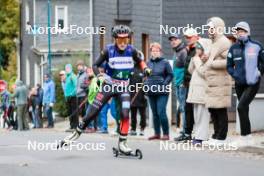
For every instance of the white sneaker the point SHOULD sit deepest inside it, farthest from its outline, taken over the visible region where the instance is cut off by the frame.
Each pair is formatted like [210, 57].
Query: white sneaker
[220, 142]
[211, 141]
[141, 133]
[243, 141]
[123, 147]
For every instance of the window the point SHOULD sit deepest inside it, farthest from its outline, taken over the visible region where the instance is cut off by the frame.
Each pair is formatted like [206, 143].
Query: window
[131, 41]
[145, 45]
[61, 18]
[102, 40]
[27, 22]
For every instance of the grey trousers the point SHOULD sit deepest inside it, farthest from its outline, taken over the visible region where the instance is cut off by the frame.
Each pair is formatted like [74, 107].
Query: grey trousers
[22, 117]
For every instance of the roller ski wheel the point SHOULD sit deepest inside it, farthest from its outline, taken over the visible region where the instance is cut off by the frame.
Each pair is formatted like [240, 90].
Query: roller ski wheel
[135, 154]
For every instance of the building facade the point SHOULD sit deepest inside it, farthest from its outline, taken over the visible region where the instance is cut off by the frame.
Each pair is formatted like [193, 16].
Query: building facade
[66, 46]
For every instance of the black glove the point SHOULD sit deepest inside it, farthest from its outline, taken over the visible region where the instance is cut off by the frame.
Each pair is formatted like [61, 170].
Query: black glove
[147, 71]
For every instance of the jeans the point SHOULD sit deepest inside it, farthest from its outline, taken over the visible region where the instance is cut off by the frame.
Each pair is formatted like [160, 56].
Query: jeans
[103, 117]
[181, 92]
[94, 123]
[48, 113]
[103, 114]
[35, 118]
[245, 96]
[158, 106]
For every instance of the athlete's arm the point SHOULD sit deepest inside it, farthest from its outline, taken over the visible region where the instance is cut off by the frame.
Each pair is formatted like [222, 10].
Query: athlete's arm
[139, 58]
[100, 60]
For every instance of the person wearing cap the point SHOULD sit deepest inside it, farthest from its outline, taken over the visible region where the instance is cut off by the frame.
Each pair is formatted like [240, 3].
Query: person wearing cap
[82, 85]
[218, 81]
[191, 37]
[48, 99]
[71, 98]
[245, 63]
[179, 59]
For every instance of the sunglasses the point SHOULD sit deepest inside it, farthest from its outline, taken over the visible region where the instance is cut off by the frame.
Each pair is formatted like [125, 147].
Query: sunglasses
[123, 40]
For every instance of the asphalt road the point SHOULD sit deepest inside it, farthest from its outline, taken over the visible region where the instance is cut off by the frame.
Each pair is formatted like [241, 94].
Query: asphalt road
[17, 157]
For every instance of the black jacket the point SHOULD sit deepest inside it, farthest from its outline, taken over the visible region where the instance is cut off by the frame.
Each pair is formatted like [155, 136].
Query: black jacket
[137, 95]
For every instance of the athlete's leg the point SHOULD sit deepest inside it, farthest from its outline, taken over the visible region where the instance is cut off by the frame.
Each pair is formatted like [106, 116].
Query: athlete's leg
[101, 98]
[124, 103]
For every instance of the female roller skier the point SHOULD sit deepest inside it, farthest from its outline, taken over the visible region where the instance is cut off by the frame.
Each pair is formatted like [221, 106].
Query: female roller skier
[119, 58]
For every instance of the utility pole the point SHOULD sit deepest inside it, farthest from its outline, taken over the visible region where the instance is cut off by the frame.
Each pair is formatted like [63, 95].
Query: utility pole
[49, 48]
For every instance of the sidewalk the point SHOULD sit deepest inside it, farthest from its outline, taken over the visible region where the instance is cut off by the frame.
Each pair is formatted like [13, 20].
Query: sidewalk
[249, 152]
[232, 135]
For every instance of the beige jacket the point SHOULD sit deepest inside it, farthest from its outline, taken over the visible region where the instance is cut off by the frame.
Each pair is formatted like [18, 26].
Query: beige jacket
[197, 68]
[218, 81]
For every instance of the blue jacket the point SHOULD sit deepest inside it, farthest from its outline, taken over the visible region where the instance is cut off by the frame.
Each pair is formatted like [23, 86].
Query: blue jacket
[48, 92]
[162, 74]
[4, 100]
[245, 62]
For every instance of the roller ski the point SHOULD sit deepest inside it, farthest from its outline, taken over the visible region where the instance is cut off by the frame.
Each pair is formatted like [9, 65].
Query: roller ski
[125, 151]
[69, 139]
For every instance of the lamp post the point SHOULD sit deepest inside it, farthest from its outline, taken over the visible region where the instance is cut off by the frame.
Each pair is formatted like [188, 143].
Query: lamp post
[49, 48]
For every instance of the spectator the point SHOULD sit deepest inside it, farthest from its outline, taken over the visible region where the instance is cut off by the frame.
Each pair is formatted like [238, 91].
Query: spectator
[245, 63]
[218, 90]
[161, 76]
[92, 90]
[103, 115]
[196, 94]
[20, 95]
[191, 37]
[33, 107]
[62, 75]
[138, 101]
[102, 122]
[70, 95]
[179, 60]
[82, 85]
[39, 103]
[48, 99]
[5, 103]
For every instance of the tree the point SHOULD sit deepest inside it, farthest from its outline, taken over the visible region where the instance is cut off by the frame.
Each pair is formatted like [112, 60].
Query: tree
[9, 29]
[10, 72]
